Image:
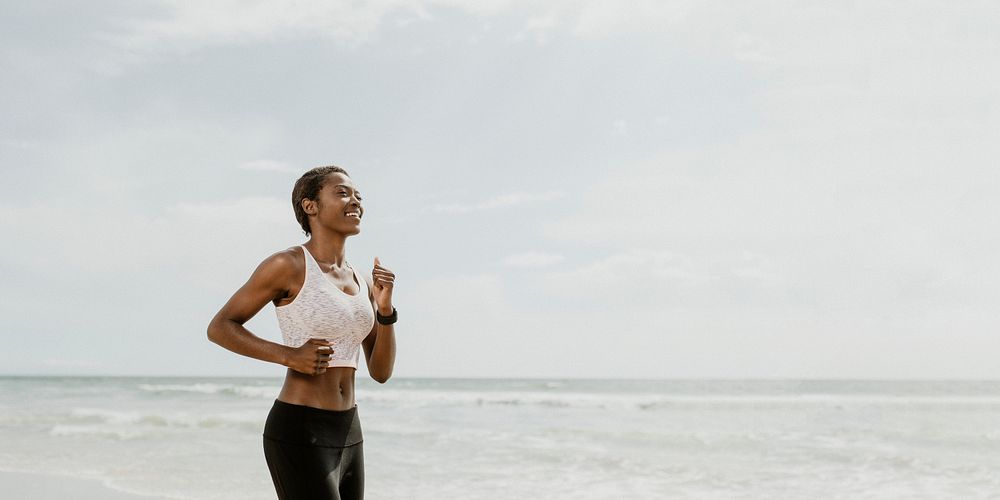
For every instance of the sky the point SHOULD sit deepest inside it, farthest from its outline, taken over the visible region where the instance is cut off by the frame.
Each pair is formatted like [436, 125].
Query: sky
[580, 189]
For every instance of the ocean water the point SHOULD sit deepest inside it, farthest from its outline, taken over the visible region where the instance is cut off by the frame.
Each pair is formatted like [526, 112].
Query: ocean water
[200, 438]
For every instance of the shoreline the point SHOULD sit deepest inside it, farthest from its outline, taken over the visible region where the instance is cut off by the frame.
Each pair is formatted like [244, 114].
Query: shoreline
[44, 486]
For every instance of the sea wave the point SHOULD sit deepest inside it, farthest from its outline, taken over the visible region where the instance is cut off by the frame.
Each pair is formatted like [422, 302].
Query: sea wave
[90, 420]
[555, 395]
[96, 430]
[246, 391]
[645, 401]
[836, 401]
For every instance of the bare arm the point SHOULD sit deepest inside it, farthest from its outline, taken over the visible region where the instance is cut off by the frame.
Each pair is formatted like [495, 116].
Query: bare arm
[380, 344]
[270, 281]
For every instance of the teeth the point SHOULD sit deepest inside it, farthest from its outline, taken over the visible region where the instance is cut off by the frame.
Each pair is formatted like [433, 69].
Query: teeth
[353, 214]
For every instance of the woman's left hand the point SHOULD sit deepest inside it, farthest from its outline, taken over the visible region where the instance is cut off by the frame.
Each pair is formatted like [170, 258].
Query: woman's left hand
[382, 278]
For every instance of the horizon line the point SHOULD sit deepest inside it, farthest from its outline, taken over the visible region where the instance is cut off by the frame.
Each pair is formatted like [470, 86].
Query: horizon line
[534, 377]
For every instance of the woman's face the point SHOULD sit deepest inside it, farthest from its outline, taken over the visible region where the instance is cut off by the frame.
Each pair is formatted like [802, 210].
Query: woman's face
[339, 205]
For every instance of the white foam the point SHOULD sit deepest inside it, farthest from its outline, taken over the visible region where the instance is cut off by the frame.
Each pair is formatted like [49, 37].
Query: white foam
[459, 439]
[420, 398]
[248, 418]
[96, 430]
[247, 391]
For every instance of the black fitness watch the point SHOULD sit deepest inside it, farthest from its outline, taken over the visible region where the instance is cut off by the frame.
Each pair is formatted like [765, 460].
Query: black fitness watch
[386, 320]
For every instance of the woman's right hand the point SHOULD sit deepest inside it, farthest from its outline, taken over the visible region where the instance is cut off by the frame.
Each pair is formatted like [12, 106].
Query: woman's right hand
[311, 358]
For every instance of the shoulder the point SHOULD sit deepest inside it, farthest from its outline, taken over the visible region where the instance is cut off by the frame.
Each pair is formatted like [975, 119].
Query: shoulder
[284, 263]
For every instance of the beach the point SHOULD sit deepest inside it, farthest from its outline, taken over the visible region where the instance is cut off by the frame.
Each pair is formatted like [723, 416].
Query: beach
[200, 438]
[15, 485]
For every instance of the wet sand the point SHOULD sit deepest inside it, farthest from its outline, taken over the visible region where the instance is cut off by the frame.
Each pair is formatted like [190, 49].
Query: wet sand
[26, 486]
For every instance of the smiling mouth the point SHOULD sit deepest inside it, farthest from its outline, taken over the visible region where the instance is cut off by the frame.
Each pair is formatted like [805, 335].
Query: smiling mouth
[356, 215]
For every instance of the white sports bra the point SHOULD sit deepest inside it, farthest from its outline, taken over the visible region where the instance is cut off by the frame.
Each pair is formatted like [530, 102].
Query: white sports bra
[322, 310]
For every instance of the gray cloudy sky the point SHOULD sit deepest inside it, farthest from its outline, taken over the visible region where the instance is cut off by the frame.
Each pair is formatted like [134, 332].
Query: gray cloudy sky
[580, 189]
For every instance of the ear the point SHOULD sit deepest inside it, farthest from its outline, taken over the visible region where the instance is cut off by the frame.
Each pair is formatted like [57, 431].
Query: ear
[310, 207]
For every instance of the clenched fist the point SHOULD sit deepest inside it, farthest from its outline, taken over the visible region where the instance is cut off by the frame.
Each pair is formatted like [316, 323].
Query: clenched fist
[312, 357]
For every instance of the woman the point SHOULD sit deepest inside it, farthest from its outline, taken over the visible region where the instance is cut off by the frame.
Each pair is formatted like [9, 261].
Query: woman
[326, 310]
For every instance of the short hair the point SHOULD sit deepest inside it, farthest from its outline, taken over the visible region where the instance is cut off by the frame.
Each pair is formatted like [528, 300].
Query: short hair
[307, 188]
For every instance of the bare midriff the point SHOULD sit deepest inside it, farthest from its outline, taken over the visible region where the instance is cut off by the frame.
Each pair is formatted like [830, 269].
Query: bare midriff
[331, 390]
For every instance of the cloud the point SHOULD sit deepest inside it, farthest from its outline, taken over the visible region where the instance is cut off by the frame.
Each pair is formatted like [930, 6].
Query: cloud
[186, 26]
[597, 18]
[190, 25]
[267, 165]
[619, 127]
[182, 238]
[533, 259]
[861, 188]
[850, 208]
[471, 325]
[654, 276]
[499, 201]
[537, 28]
[185, 259]
[70, 364]
[815, 35]
[630, 270]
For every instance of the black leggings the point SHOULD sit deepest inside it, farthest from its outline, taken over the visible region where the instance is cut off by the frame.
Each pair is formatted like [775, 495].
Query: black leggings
[314, 454]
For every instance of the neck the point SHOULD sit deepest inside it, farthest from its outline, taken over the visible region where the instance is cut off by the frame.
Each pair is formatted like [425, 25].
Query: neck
[328, 248]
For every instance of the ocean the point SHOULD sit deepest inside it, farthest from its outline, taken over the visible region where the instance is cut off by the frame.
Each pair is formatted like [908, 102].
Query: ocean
[200, 438]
